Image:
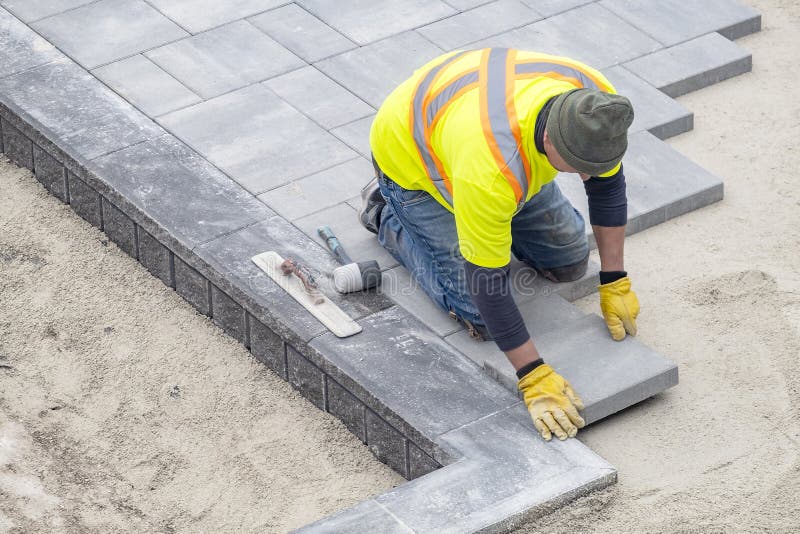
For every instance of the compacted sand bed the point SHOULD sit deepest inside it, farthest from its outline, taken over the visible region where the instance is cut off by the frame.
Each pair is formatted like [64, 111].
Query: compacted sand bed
[122, 410]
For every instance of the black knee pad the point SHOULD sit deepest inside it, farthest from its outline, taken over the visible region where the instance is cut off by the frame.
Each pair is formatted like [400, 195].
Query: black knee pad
[567, 273]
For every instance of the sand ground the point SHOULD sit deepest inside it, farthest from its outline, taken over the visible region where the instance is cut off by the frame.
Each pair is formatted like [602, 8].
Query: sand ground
[106, 427]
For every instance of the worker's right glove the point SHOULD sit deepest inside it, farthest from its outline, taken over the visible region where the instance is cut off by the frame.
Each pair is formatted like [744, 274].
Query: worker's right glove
[552, 403]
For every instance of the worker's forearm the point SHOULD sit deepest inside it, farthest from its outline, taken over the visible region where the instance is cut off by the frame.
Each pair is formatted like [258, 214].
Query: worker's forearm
[523, 355]
[610, 245]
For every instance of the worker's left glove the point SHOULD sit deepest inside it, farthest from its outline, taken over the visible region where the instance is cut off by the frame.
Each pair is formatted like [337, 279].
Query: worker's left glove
[620, 307]
[552, 403]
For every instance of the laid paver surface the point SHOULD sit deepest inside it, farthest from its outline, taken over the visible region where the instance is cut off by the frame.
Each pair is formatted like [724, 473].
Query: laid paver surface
[197, 133]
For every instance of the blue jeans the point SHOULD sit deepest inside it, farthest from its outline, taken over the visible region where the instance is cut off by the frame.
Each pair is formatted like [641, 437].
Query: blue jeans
[421, 234]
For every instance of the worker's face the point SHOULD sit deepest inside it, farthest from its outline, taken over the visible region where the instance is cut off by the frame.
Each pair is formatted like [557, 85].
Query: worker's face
[557, 161]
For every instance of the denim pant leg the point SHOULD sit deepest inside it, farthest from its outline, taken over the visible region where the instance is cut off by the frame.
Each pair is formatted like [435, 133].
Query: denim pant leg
[548, 232]
[421, 234]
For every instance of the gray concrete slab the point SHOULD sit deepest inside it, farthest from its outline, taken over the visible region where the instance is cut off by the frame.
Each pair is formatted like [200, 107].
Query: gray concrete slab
[654, 111]
[51, 173]
[200, 15]
[548, 8]
[463, 5]
[590, 33]
[692, 65]
[302, 33]
[470, 26]
[72, 105]
[225, 58]
[364, 21]
[256, 138]
[20, 48]
[356, 135]
[319, 191]
[191, 201]
[372, 71]
[109, 30]
[360, 244]
[674, 21]
[319, 98]
[31, 10]
[146, 85]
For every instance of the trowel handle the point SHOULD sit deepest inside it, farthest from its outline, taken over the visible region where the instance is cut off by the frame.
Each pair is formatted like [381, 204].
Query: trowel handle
[335, 247]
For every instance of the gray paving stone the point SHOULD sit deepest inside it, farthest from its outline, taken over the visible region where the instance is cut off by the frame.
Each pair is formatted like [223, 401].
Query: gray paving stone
[190, 201]
[470, 26]
[256, 138]
[373, 71]
[675, 21]
[366, 516]
[109, 30]
[30, 10]
[589, 33]
[234, 272]
[146, 86]
[305, 377]
[364, 21]
[321, 190]
[228, 315]
[463, 5]
[344, 406]
[527, 284]
[548, 8]
[319, 98]
[50, 173]
[302, 33]
[192, 286]
[119, 228]
[75, 110]
[360, 244]
[225, 58]
[419, 463]
[692, 65]
[386, 443]
[356, 135]
[155, 257]
[84, 200]
[398, 284]
[20, 47]
[200, 15]
[395, 358]
[17, 146]
[267, 347]
[654, 111]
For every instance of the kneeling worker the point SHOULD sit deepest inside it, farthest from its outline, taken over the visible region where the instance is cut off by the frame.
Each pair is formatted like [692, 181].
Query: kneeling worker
[466, 152]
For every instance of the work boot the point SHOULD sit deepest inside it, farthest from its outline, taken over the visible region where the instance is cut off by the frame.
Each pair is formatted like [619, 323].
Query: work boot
[372, 203]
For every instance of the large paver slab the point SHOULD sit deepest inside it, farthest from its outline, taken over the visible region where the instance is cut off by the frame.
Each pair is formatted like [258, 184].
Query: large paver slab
[505, 476]
[673, 21]
[360, 244]
[321, 190]
[189, 199]
[356, 135]
[319, 98]
[146, 85]
[373, 71]
[692, 65]
[70, 104]
[31, 10]
[608, 375]
[200, 15]
[20, 48]
[365, 21]
[225, 58]
[470, 26]
[105, 31]
[256, 138]
[302, 33]
[590, 33]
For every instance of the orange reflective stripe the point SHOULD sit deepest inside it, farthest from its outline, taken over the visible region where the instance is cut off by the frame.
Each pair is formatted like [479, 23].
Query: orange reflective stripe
[565, 68]
[552, 75]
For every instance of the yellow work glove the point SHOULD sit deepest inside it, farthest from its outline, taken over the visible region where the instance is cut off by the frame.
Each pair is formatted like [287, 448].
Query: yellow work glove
[620, 307]
[552, 403]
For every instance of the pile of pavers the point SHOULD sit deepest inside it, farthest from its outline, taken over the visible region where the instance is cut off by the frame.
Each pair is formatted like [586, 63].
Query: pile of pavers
[198, 133]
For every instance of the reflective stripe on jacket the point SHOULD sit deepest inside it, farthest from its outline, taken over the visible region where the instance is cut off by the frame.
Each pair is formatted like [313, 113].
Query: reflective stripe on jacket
[461, 128]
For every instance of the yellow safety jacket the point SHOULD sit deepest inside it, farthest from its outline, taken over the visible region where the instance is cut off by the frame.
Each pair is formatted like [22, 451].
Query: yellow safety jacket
[462, 129]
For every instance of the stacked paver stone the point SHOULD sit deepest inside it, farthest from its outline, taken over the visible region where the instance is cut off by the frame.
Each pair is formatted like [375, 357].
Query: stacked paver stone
[176, 138]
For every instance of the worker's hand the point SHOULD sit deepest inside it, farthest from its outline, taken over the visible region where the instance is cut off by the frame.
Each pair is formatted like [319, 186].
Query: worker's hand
[620, 307]
[552, 403]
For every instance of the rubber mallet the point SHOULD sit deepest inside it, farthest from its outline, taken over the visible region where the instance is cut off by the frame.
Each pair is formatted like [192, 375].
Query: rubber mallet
[351, 276]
